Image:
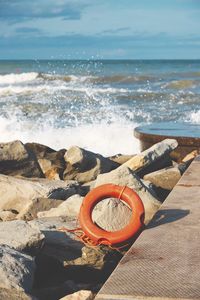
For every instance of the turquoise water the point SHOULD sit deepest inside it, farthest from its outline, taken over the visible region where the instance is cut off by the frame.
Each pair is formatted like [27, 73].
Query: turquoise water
[94, 104]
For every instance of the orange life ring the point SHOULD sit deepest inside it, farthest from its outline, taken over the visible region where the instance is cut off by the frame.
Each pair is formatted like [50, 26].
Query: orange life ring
[101, 236]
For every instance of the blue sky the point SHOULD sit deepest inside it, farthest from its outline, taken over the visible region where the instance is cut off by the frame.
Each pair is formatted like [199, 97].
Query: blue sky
[99, 29]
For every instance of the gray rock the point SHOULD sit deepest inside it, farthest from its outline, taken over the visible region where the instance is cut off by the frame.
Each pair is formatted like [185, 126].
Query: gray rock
[125, 177]
[18, 194]
[15, 159]
[59, 245]
[165, 178]
[111, 214]
[37, 205]
[151, 155]
[68, 208]
[13, 151]
[67, 250]
[85, 166]
[16, 270]
[21, 236]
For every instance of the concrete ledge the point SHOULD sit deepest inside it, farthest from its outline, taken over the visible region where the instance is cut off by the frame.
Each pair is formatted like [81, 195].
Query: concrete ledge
[164, 263]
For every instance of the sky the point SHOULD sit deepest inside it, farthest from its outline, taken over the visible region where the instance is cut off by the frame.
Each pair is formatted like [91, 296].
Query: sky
[100, 29]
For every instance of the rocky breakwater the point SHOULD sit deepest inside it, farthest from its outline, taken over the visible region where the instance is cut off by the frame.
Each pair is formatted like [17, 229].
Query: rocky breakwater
[42, 190]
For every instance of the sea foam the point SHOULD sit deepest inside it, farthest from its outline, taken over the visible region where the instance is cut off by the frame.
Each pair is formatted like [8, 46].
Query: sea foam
[100, 138]
[17, 78]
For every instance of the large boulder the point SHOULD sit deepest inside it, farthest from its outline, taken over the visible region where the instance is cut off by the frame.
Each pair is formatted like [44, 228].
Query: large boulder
[151, 155]
[70, 252]
[125, 177]
[16, 271]
[15, 159]
[166, 178]
[85, 166]
[21, 236]
[18, 194]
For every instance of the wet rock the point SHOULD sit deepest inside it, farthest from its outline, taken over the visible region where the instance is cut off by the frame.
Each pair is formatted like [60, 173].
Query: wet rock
[165, 178]
[125, 177]
[68, 208]
[21, 236]
[15, 159]
[18, 194]
[16, 271]
[151, 155]
[80, 295]
[85, 166]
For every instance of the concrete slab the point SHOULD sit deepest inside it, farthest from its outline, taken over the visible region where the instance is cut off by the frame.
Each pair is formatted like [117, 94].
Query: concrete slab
[164, 263]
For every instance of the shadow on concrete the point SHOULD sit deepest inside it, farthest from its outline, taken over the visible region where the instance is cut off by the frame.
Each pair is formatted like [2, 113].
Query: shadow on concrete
[167, 216]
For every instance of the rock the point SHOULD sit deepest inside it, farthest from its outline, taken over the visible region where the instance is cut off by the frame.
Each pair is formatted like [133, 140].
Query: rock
[111, 214]
[120, 158]
[82, 263]
[68, 208]
[6, 215]
[13, 294]
[13, 151]
[15, 159]
[18, 194]
[58, 245]
[16, 270]
[55, 292]
[21, 236]
[51, 162]
[165, 178]
[80, 295]
[50, 171]
[190, 156]
[37, 205]
[125, 177]
[85, 166]
[151, 155]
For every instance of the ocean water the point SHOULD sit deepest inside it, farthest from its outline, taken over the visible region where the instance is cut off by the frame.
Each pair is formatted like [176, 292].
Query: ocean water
[94, 104]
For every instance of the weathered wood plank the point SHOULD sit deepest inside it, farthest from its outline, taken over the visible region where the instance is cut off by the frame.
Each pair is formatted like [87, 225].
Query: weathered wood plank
[164, 263]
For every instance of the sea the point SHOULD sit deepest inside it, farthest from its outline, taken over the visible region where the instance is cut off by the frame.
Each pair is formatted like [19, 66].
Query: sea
[94, 104]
